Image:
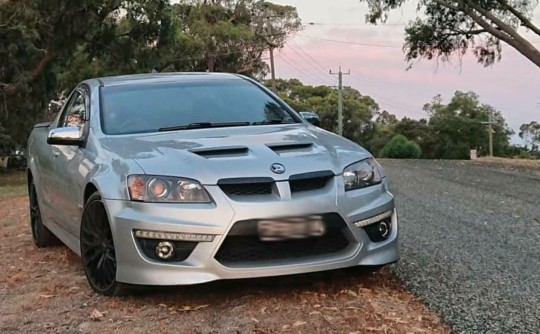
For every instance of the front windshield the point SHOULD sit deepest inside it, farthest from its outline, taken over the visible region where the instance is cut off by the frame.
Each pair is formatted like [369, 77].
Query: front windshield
[151, 107]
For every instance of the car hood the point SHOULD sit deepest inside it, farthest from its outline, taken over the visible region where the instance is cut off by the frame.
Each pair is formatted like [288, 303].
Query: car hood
[208, 155]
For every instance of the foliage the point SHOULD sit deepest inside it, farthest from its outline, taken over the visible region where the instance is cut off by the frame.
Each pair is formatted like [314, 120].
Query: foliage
[6, 143]
[47, 47]
[460, 126]
[401, 148]
[358, 110]
[452, 27]
[530, 132]
[450, 131]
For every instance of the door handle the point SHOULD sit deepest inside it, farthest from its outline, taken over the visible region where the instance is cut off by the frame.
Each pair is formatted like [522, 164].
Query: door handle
[55, 153]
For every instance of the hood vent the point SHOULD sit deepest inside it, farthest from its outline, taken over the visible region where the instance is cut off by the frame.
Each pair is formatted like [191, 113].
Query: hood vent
[222, 152]
[290, 147]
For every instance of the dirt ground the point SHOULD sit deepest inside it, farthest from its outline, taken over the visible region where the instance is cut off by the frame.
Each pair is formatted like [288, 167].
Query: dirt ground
[510, 163]
[45, 291]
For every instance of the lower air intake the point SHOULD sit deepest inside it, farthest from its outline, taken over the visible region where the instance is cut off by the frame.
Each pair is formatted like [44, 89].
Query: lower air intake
[243, 247]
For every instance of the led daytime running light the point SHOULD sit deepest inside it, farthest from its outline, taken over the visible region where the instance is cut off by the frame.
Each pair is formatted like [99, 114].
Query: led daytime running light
[174, 236]
[374, 219]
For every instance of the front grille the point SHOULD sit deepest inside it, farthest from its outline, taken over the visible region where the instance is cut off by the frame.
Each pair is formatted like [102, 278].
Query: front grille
[308, 184]
[246, 186]
[248, 189]
[309, 181]
[242, 245]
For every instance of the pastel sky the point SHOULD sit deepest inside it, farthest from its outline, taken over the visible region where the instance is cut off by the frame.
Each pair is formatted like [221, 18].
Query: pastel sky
[379, 69]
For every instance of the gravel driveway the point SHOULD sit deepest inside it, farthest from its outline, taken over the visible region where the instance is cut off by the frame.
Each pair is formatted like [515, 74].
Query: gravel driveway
[470, 237]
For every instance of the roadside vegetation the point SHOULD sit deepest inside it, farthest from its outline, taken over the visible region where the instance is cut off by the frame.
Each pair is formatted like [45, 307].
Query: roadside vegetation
[48, 49]
[450, 129]
[12, 184]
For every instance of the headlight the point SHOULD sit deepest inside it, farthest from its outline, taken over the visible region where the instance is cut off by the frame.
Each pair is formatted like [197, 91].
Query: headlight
[362, 174]
[148, 188]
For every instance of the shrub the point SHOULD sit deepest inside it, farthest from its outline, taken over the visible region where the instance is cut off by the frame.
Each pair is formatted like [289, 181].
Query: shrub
[399, 147]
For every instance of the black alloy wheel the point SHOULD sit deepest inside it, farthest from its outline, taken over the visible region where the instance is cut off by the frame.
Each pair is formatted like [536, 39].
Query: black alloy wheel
[97, 249]
[41, 235]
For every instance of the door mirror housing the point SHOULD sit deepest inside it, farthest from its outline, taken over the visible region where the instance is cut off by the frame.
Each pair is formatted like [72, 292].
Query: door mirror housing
[69, 136]
[311, 117]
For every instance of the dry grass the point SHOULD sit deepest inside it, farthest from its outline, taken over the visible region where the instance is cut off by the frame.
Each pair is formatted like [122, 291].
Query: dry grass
[506, 162]
[44, 291]
[12, 184]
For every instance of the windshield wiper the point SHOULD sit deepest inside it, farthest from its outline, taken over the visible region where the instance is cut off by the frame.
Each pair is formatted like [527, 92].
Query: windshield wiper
[203, 125]
[271, 121]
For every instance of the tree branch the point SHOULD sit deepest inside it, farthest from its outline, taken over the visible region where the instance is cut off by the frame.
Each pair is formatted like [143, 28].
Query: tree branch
[519, 43]
[12, 88]
[488, 27]
[498, 22]
[524, 20]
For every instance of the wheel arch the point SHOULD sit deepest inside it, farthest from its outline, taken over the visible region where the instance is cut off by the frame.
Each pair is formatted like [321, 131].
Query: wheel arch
[89, 189]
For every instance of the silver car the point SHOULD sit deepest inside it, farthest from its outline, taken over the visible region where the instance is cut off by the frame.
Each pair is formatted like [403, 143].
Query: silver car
[174, 179]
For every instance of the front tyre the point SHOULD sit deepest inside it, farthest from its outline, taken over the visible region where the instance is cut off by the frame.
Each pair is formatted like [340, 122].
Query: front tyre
[97, 249]
[41, 235]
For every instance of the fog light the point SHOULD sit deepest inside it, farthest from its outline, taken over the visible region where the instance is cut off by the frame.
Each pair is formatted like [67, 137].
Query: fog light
[379, 231]
[165, 250]
[384, 229]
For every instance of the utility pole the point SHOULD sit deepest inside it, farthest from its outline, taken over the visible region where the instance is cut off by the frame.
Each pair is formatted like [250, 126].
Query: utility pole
[272, 65]
[490, 123]
[272, 68]
[340, 98]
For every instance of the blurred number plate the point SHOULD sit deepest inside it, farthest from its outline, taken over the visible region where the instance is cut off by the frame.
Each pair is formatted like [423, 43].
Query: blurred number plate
[291, 228]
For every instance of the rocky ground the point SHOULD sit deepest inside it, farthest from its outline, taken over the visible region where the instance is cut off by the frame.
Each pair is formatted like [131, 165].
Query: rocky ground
[470, 234]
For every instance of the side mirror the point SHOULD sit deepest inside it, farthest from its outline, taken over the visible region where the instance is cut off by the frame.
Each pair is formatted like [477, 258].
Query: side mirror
[314, 120]
[311, 117]
[69, 136]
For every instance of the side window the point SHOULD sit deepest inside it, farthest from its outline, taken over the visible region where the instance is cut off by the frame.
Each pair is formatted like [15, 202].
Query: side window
[75, 113]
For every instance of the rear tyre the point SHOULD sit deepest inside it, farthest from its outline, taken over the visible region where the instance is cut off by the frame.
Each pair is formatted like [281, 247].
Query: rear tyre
[41, 235]
[97, 249]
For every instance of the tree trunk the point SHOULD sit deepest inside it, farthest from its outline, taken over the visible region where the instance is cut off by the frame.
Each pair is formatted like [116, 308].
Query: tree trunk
[211, 63]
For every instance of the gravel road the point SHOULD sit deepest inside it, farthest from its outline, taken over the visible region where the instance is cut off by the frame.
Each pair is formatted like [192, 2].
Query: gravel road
[470, 237]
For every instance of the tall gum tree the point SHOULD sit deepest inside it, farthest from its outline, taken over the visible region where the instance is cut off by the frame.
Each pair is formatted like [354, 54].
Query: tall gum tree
[452, 27]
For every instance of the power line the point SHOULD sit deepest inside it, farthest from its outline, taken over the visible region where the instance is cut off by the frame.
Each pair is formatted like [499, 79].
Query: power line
[308, 61]
[366, 44]
[290, 62]
[307, 54]
[349, 43]
[354, 24]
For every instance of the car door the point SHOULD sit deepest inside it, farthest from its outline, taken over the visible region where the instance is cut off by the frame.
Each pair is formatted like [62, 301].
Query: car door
[48, 163]
[69, 164]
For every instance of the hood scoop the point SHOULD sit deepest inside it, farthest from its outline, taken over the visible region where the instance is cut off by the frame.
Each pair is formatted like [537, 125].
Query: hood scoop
[284, 148]
[222, 152]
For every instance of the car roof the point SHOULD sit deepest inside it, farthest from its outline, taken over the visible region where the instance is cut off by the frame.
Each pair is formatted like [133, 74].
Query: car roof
[150, 78]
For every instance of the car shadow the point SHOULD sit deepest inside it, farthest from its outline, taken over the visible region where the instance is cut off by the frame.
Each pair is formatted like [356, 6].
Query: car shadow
[206, 293]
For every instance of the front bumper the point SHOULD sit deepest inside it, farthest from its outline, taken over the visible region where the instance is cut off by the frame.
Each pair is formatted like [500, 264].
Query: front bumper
[201, 266]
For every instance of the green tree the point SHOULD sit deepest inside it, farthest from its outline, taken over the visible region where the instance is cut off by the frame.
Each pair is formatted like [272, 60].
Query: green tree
[420, 132]
[451, 131]
[233, 34]
[358, 110]
[451, 27]
[6, 143]
[40, 37]
[46, 48]
[459, 126]
[401, 148]
[530, 132]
